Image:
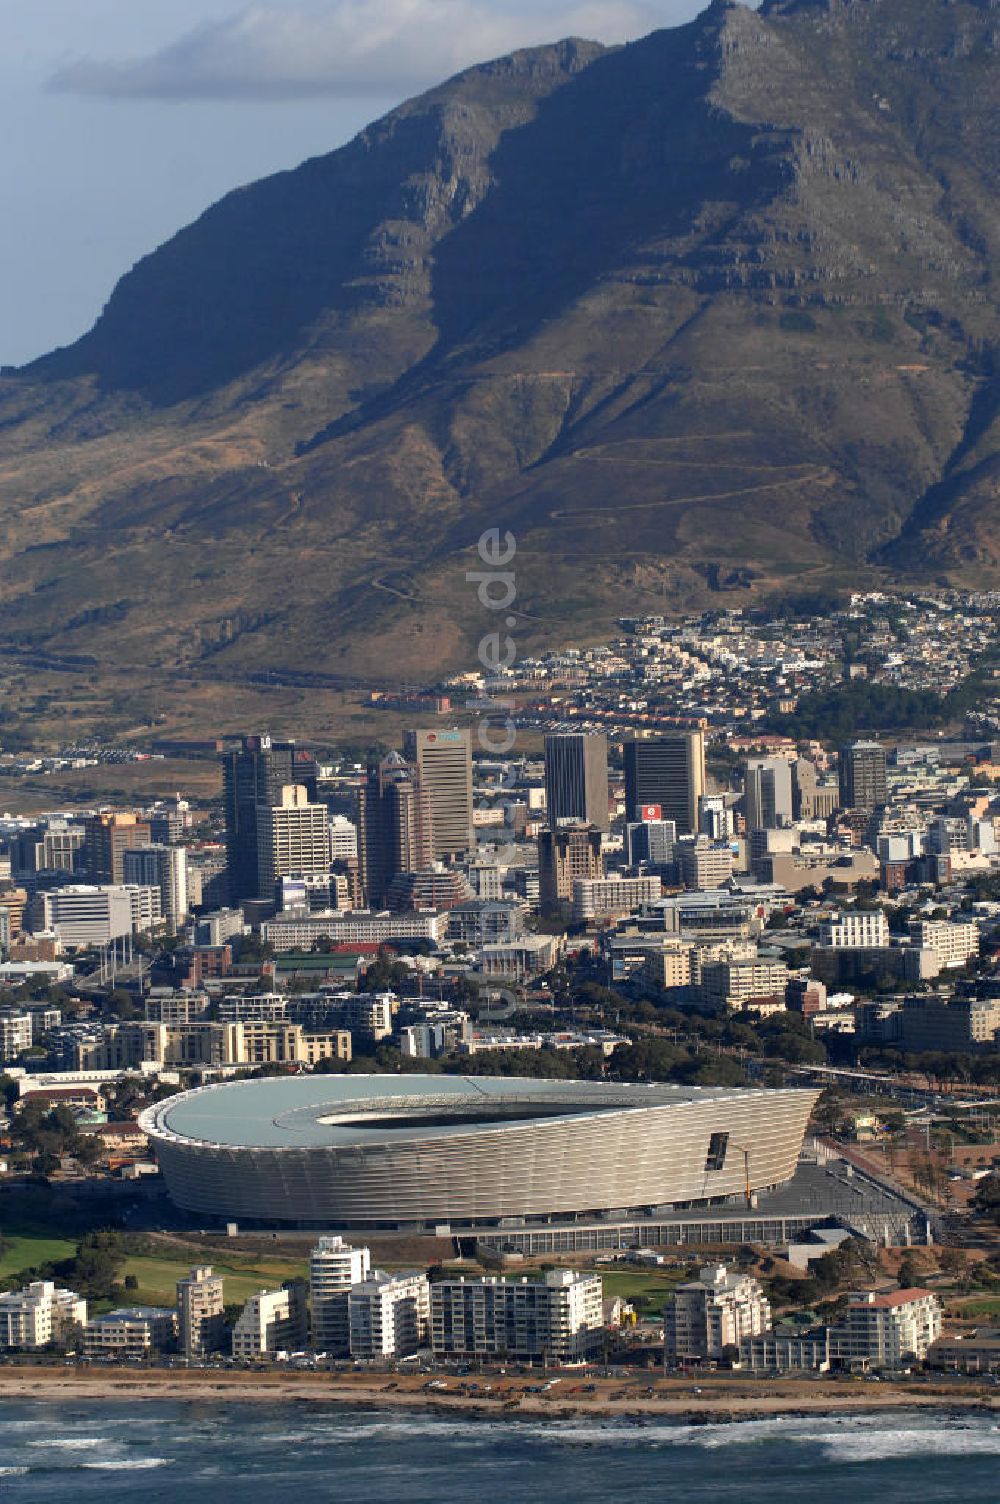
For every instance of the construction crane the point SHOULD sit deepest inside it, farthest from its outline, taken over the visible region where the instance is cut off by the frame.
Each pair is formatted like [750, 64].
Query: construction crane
[748, 1189]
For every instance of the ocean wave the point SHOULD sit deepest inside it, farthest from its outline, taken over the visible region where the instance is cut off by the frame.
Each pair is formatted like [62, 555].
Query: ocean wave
[71, 1443]
[13, 1472]
[128, 1464]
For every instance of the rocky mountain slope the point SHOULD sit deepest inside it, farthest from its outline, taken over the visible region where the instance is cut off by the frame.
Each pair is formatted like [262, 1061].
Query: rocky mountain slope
[697, 318]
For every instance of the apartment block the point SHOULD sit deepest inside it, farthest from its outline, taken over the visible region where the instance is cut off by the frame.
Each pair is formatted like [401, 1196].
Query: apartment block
[15, 1034]
[271, 1321]
[39, 1314]
[887, 1330]
[389, 1315]
[200, 1319]
[558, 1319]
[954, 943]
[130, 1332]
[864, 929]
[334, 1268]
[732, 983]
[600, 899]
[717, 1310]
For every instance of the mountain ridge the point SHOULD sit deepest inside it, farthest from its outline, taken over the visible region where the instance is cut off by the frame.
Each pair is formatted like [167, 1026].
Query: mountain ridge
[711, 312]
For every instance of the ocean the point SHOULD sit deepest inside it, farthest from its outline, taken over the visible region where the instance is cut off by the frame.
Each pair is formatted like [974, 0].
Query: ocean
[193, 1453]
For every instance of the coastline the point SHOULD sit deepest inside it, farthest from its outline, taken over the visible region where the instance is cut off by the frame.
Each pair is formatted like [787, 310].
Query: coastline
[719, 1401]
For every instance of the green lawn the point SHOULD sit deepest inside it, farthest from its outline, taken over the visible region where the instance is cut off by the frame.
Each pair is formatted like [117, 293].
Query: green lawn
[648, 1288]
[977, 1307]
[26, 1251]
[158, 1277]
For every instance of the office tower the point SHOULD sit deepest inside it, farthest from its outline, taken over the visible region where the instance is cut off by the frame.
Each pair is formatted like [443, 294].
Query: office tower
[805, 782]
[443, 760]
[767, 793]
[862, 776]
[253, 777]
[564, 854]
[293, 836]
[200, 1320]
[106, 838]
[343, 839]
[650, 841]
[576, 778]
[394, 827]
[668, 771]
[715, 817]
[53, 846]
[334, 1266]
[163, 867]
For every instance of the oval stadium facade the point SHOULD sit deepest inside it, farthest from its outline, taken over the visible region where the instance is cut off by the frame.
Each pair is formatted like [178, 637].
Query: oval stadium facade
[419, 1151]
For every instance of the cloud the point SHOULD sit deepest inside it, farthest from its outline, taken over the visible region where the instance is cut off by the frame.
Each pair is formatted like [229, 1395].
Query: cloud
[354, 48]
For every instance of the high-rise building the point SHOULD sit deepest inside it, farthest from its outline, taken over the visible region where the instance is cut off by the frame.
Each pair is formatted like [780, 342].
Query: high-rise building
[251, 778]
[576, 778]
[668, 771]
[889, 1330]
[558, 1318]
[200, 1320]
[271, 1321]
[717, 1310]
[394, 826]
[862, 776]
[767, 793]
[163, 867]
[39, 1314]
[389, 1315]
[443, 760]
[293, 836]
[334, 1267]
[106, 838]
[53, 846]
[650, 841]
[565, 854]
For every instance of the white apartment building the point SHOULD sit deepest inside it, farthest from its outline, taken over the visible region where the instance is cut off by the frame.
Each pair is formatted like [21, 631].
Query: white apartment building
[597, 899]
[389, 1315]
[887, 1330]
[130, 1332]
[732, 983]
[38, 1314]
[269, 1007]
[334, 1268]
[953, 943]
[200, 1319]
[146, 907]
[270, 1322]
[559, 1318]
[15, 1034]
[350, 927]
[855, 929]
[717, 1310]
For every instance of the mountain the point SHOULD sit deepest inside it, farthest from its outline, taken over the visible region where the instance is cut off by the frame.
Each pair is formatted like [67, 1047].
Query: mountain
[708, 316]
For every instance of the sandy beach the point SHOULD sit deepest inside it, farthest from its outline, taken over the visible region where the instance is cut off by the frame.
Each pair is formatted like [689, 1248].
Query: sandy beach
[719, 1399]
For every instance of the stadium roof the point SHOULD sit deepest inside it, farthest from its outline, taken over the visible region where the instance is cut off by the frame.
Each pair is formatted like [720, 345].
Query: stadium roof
[344, 1111]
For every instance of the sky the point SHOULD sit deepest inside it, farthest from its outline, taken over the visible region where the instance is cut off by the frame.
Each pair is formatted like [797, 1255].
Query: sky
[121, 120]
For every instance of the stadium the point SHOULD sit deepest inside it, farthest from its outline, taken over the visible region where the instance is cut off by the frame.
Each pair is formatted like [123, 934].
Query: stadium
[428, 1152]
